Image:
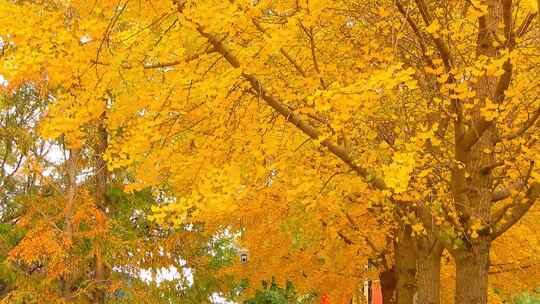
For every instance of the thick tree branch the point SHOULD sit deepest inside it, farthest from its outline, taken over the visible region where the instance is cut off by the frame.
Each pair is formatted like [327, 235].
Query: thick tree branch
[346, 239]
[442, 48]
[487, 169]
[517, 211]
[524, 27]
[504, 81]
[7, 150]
[517, 268]
[498, 215]
[500, 195]
[474, 133]
[507, 19]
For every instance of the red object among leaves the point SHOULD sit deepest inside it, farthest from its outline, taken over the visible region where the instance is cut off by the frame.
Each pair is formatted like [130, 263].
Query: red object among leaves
[376, 291]
[325, 299]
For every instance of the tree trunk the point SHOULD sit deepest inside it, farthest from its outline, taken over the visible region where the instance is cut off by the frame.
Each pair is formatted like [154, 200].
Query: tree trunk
[538, 7]
[472, 275]
[101, 178]
[71, 172]
[405, 253]
[99, 294]
[472, 186]
[388, 284]
[428, 270]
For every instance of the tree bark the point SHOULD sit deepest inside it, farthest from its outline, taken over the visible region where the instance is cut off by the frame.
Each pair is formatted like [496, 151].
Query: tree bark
[428, 270]
[388, 284]
[405, 253]
[472, 187]
[71, 173]
[101, 178]
[472, 275]
[538, 13]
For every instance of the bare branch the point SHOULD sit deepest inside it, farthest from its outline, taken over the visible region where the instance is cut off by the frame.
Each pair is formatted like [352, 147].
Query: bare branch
[416, 31]
[159, 65]
[526, 126]
[312, 47]
[285, 54]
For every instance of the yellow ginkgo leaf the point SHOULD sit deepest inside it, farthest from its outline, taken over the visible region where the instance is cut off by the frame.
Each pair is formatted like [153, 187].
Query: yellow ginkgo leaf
[434, 27]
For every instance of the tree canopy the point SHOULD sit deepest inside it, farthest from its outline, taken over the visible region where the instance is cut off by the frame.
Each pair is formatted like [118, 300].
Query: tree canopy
[315, 136]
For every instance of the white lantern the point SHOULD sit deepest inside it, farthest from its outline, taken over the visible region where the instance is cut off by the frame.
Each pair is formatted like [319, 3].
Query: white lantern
[243, 256]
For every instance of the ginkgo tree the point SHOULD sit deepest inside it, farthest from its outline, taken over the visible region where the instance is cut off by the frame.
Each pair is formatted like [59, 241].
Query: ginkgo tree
[425, 112]
[57, 235]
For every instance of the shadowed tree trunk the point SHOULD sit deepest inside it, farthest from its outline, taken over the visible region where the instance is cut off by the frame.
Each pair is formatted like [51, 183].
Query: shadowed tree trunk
[428, 270]
[472, 275]
[388, 284]
[405, 253]
[428, 262]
